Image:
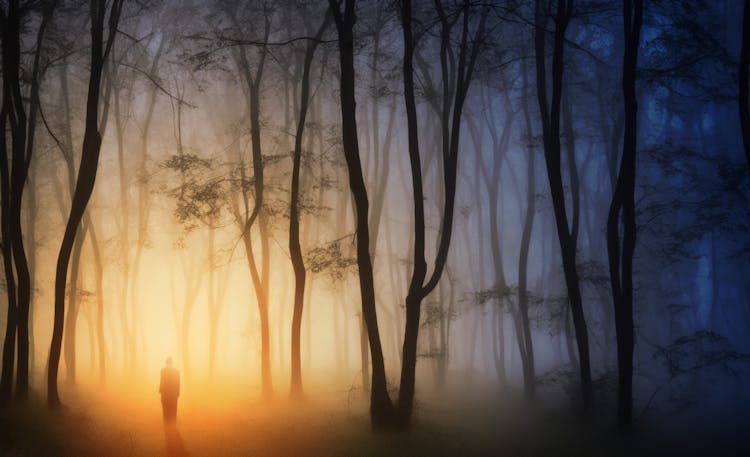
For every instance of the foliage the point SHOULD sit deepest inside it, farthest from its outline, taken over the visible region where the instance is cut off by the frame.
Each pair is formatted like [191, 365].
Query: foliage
[331, 259]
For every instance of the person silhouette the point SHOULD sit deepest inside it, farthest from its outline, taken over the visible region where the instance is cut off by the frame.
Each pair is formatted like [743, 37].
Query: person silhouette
[169, 388]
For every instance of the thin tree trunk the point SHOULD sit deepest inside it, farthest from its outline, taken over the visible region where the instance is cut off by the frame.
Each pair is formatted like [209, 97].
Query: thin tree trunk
[32, 213]
[20, 178]
[453, 96]
[86, 177]
[529, 376]
[22, 130]
[295, 250]
[623, 202]
[260, 280]
[124, 232]
[99, 290]
[550, 114]
[744, 102]
[11, 61]
[71, 317]
[9, 345]
[381, 408]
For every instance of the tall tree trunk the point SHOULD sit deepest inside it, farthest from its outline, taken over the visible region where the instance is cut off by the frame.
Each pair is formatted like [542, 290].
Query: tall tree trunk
[22, 130]
[529, 376]
[71, 317]
[744, 102]
[124, 232]
[99, 290]
[66, 148]
[18, 181]
[11, 65]
[381, 408]
[32, 213]
[295, 249]
[453, 97]
[9, 345]
[260, 280]
[144, 213]
[213, 315]
[623, 202]
[86, 176]
[550, 114]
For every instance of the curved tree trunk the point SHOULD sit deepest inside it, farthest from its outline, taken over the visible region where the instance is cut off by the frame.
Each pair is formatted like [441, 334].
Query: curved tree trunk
[22, 130]
[261, 280]
[295, 249]
[623, 202]
[453, 100]
[86, 177]
[71, 317]
[9, 345]
[381, 408]
[550, 114]
[529, 375]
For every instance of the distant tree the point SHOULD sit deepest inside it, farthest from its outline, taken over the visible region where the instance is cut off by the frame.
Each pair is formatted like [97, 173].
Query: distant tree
[527, 354]
[252, 76]
[142, 173]
[295, 250]
[198, 199]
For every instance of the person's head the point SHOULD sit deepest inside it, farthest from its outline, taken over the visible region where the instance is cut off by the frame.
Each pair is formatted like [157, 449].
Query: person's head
[169, 361]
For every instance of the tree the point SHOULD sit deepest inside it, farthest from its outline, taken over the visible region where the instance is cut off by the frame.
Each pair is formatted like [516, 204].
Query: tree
[260, 279]
[550, 118]
[90, 150]
[744, 102]
[527, 352]
[623, 206]
[381, 408]
[295, 249]
[22, 129]
[455, 88]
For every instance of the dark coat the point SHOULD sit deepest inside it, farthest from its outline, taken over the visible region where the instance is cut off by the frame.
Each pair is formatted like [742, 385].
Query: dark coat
[169, 386]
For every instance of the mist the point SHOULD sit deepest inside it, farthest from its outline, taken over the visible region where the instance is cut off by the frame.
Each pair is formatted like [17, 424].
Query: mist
[375, 228]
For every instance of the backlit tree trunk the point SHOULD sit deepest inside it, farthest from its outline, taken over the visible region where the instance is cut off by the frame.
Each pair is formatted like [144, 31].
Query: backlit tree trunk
[453, 99]
[622, 209]
[744, 102]
[381, 408]
[295, 249]
[550, 117]
[86, 176]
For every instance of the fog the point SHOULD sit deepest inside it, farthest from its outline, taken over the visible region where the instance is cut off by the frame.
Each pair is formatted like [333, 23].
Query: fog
[421, 228]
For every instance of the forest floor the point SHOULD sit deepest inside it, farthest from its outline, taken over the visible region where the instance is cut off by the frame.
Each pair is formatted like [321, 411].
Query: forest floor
[96, 423]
